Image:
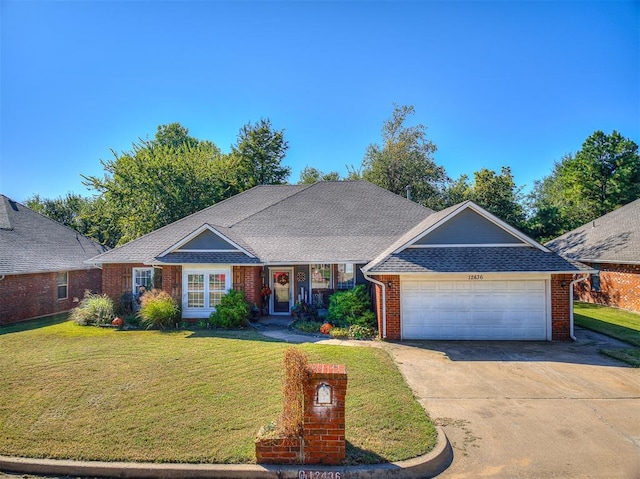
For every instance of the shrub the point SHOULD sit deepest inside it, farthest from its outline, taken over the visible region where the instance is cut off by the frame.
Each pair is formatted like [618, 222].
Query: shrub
[358, 331]
[158, 310]
[232, 312]
[351, 307]
[296, 377]
[94, 309]
[308, 326]
[339, 333]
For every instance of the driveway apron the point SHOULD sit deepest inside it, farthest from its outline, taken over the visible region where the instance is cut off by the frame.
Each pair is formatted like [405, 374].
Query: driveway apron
[529, 409]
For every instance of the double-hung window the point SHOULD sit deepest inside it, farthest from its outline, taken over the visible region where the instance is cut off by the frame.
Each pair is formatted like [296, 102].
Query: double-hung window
[204, 289]
[62, 282]
[346, 276]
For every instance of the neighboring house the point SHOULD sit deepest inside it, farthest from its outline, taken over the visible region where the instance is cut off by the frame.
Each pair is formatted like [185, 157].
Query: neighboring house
[458, 274]
[42, 264]
[611, 245]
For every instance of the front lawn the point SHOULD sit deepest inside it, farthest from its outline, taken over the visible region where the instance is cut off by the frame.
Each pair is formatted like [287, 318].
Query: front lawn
[613, 322]
[88, 393]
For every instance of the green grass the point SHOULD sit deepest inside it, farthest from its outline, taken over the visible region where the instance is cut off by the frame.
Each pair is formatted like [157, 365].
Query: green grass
[74, 392]
[619, 324]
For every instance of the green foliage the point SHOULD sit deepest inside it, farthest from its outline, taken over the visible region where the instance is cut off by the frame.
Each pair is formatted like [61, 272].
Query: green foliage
[156, 184]
[602, 176]
[308, 326]
[232, 312]
[310, 175]
[339, 333]
[94, 309]
[357, 331]
[158, 310]
[259, 154]
[404, 158]
[351, 307]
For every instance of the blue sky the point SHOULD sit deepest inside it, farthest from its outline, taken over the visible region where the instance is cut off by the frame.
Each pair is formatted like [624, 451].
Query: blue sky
[514, 84]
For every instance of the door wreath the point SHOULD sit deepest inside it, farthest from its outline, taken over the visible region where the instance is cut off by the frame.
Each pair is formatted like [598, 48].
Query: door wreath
[282, 278]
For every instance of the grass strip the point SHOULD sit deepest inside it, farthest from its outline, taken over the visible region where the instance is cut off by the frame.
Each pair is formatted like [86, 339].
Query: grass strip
[616, 323]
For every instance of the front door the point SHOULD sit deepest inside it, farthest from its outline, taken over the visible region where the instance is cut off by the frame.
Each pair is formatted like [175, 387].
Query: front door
[282, 289]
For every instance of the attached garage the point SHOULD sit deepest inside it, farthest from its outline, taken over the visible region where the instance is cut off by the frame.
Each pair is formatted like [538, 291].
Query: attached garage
[503, 309]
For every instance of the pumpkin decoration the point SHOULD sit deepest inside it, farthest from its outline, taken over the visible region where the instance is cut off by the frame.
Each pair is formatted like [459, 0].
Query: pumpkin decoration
[117, 322]
[325, 328]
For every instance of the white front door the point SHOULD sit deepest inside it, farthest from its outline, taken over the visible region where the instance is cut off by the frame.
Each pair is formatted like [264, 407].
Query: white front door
[281, 283]
[506, 309]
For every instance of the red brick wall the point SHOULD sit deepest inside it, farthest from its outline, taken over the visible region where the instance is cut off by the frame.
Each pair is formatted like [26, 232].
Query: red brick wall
[392, 303]
[323, 429]
[251, 282]
[27, 296]
[619, 287]
[560, 310]
[323, 435]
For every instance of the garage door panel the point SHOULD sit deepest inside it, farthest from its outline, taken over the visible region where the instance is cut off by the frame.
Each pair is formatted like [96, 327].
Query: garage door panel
[474, 309]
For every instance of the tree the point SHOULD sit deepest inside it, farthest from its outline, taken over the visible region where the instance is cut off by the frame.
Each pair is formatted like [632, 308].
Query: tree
[88, 216]
[259, 153]
[161, 181]
[67, 210]
[310, 175]
[499, 195]
[603, 175]
[405, 158]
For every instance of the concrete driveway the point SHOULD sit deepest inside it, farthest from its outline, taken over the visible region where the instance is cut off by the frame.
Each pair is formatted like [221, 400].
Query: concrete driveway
[529, 409]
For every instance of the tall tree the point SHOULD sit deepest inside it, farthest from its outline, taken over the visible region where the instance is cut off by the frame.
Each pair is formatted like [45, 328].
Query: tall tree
[259, 153]
[603, 175]
[498, 194]
[405, 158]
[159, 182]
[311, 175]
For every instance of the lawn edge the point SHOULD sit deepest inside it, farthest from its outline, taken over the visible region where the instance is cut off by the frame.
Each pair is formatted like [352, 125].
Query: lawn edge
[427, 465]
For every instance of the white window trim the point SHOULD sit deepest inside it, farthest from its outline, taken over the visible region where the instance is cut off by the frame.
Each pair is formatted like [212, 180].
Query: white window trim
[207, 310]
[66, 285]
[133, 278]
[355, 276]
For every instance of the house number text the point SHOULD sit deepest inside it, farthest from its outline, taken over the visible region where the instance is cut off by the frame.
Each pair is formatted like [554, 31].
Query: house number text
[476, 276]
[319, 475]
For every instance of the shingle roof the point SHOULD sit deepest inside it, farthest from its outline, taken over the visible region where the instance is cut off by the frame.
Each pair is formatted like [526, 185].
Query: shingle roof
[612, 238]
[324, 222]
[476, 260]
[32, 243]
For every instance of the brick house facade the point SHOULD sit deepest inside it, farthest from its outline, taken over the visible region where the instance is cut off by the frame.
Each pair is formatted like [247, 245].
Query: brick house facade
[619, 286]
[28, 296]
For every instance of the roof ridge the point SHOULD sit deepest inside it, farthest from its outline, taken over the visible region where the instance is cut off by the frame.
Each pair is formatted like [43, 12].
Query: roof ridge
[5, 221]
[77, 233]
[303, 188]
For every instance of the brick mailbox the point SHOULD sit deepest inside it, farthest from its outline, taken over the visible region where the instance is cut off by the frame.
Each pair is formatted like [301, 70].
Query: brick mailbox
[323, 436]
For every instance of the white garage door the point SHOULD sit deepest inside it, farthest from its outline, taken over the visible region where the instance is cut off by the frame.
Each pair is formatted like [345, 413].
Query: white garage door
[474, 309]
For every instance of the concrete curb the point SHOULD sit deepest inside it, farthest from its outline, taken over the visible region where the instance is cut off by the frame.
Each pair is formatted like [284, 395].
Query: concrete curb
[427, 465]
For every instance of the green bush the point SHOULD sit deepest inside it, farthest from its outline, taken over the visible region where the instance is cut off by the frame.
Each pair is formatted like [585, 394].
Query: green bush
[308, 326]
[158, 310]
[339, 333]
[232, 312]
[347, 308]
[358, 331]
[94, 309]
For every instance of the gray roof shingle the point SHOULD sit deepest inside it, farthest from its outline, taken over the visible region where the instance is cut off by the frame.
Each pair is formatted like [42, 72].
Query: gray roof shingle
[476, 260]
[612, 238]
[324, 222]
[32, 243]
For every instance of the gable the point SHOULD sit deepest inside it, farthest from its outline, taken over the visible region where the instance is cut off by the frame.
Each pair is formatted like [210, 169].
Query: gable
[208, 241]
[469, 228]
